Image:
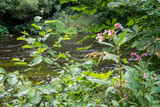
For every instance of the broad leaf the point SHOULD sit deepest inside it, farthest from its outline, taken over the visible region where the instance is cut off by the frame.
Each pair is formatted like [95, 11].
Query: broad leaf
[51, 21]
[114, 21]
[110, 57]
[37, 18]
[98, 81]
[23, 91]
[12, 80]
[26, 46]
[122, 37]
[3, 71]
[48, 60]
[88, 64]
[114, 4]
[37, 60]
[30, 40]
[2, 78]
[149, 97]
[21, 38]
[108, 90]
[37, 98]
[15, 59]
[36, 26]
[106, 43]
[125, 61]
[155, 90]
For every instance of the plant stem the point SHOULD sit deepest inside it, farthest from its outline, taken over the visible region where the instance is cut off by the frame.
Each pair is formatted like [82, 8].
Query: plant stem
[119, 66]
[120, 72]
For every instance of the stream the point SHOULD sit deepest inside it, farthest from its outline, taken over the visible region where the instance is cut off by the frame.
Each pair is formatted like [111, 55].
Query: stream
[11, 48]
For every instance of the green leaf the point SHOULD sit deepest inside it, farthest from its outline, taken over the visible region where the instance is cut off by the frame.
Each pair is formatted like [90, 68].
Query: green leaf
[50, 30]
[23, 91]
[108, 90]
[108, 22]
[37, 44]
[2, 71]
[102, 76]
[48, 60]
[133, 103]
[84, 48]
[98, 81]
[114, 21]
[37, 98]
[85, 38]
[53, 53]
[21, 38]
[2, 78]
[130, 23]
[12, 80]
[28, 69]
[36, 26]
[105, 43]
[26, 46]
[118, 98]
[116, 39]
[31, 92]
[30, 40]
[115, 103]
[25, 33]
[57, 64]
[45, 46]
[122, 37]
[135, 28]
[133, 82]
[37, 18]
[15, 59]
[51, 21]
[109, 56]
[149, 97]
[46, 36]
[88, 64]
[47, 89]
[125, 61]
[20, 63]
[141, 100]
[155, 90]
[114, 4]
[43, 33]
[37, 60]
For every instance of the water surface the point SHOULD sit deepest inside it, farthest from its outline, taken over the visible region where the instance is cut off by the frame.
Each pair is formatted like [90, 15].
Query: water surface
[11, 48]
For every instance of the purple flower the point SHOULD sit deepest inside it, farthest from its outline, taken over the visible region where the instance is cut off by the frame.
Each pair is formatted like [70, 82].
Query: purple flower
[144, 76]
[138, 57]
[118, 25]
[106, 31]
[109, 32]
[156, 78]
[100, 37]
[144, 54]
[132, 53]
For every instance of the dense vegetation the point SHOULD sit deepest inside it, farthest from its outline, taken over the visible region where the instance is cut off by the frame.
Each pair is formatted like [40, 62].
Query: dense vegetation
[17, 16]
[123, 25]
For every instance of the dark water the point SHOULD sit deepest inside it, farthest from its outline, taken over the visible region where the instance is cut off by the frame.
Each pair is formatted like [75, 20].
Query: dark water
[11, 48]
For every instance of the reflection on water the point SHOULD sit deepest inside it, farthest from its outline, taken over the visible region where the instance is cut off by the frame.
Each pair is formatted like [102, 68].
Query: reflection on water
[11, 48]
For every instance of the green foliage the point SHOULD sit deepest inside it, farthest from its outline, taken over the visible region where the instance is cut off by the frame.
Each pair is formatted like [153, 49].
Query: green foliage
[3, 30]
[22, 9]
[77, 85]
[66, 23]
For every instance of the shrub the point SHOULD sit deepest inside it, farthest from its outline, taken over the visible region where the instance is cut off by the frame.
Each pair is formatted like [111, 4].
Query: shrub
[3, 30]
